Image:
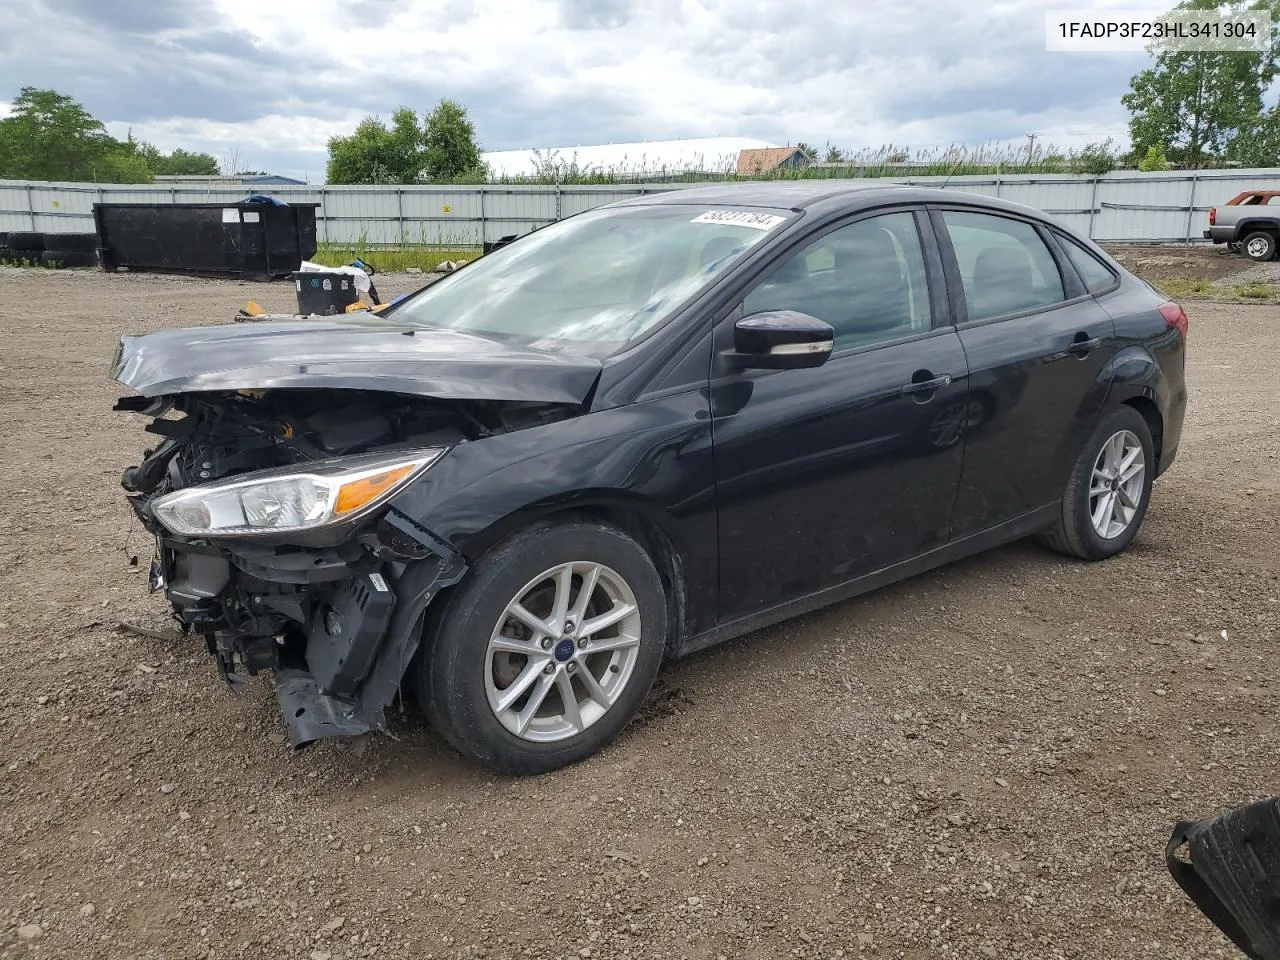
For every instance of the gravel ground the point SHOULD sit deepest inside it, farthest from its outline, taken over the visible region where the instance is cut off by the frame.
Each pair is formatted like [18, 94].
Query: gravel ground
[985, 761]
[1251, 273]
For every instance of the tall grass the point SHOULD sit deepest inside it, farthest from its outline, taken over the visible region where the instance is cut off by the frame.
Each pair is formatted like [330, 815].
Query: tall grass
[392, 259]
[890, 160]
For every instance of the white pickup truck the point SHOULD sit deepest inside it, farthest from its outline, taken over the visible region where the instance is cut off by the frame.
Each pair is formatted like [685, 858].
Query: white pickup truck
[1249, 222]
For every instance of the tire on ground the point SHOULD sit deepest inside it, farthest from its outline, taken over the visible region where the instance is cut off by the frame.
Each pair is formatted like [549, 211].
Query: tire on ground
[26, 241]
[70, 258]
[1074, 533]
[449, 674]
[1260, 246]
[80, 242]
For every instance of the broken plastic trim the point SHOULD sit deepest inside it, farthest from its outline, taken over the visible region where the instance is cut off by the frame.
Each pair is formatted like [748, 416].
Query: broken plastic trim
[1232, 873]
[310, 715]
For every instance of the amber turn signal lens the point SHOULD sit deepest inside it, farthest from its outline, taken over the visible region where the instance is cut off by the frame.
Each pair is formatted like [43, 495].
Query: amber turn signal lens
[354, 495]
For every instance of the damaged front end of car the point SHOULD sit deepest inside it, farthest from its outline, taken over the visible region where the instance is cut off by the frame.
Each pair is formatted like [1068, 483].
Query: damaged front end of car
[271, 496]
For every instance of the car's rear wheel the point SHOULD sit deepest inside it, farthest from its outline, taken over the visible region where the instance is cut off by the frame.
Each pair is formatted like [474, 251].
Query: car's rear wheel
[1260, 246]
[1108, 490]
[545, 652]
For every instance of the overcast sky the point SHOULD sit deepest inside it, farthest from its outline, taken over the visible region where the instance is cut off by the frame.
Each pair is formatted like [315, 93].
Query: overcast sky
[273, 79]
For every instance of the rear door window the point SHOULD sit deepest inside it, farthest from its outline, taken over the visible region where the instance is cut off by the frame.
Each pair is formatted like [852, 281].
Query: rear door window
[1004, 265]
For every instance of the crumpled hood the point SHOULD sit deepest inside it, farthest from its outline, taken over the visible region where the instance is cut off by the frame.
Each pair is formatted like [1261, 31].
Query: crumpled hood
[350, 353]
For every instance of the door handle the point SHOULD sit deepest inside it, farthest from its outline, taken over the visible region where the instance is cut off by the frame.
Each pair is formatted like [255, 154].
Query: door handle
[1081, 348]
[916, 387]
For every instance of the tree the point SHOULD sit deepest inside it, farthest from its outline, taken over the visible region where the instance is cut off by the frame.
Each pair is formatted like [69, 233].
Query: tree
[178, 163]
[809, 152]
[50, 136]
[1258, 144]
[449, 141]
[185, 163]
[374, 153]
[834, 155]
[1154, 159]
[1095, 158]
[1194, 101]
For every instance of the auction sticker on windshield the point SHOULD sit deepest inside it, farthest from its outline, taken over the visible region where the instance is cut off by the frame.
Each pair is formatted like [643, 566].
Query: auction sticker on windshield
[737, 218]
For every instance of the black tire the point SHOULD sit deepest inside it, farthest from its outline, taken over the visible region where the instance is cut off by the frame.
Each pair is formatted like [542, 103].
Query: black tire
[1074, 533]
[450, 674]
[80, 242]
[26, 241]
[73, 258]
[1259, 246]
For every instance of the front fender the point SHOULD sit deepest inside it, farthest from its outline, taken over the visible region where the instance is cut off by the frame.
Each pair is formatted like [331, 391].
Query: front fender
[651, 459]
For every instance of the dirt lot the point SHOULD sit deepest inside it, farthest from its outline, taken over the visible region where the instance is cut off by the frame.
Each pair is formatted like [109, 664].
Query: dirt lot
[1203, 261]
[982, 762]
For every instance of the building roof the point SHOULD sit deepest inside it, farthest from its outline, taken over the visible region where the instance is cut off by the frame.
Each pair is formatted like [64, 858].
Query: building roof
[754, 161]
[710, 154]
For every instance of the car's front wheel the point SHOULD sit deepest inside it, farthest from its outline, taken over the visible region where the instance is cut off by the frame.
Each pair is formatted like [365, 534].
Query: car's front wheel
[1109, 488]
[546, 651]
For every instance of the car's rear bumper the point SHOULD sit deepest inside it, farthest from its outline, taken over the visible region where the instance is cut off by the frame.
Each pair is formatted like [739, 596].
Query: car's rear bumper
[1174, 413]
[1221, 234]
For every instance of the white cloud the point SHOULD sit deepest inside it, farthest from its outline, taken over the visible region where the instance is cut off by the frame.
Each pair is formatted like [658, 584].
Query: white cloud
[276, 78]
[273, 132]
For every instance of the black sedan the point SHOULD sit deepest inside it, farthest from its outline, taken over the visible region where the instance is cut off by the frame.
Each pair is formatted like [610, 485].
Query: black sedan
[635, 433]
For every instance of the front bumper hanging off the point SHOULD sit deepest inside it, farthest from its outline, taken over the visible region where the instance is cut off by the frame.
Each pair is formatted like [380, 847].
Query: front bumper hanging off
[310, 714]
[339, 626]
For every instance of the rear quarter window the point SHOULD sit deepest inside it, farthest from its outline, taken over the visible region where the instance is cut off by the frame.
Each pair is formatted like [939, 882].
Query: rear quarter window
[1095, 274]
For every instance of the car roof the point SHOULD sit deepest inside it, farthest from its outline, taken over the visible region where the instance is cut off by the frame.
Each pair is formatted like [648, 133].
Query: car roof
[851, 195]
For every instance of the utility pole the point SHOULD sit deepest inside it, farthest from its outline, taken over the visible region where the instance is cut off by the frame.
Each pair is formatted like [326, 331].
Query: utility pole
[1031, 148]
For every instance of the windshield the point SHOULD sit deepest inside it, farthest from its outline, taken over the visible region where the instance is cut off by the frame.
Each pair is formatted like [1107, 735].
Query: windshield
[594, 282]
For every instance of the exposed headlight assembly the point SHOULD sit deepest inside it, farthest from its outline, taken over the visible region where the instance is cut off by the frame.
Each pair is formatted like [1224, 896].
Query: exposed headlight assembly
[290, 499]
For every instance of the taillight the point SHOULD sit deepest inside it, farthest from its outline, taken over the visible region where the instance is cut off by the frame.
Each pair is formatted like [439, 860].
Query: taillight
[1213, 216]
[1175, 316]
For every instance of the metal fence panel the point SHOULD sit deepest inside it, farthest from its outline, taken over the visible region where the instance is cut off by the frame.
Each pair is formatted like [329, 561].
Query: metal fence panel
[1124, 206]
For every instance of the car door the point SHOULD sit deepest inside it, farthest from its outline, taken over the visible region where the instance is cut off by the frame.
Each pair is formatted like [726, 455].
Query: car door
[826, 473]
[1037, 345]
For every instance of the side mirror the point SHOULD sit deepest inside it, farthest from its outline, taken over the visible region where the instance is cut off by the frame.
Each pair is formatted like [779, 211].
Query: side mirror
[782, 340]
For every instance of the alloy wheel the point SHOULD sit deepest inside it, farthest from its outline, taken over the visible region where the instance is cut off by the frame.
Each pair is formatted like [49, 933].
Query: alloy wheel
[1116, 487]
[563, 651]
